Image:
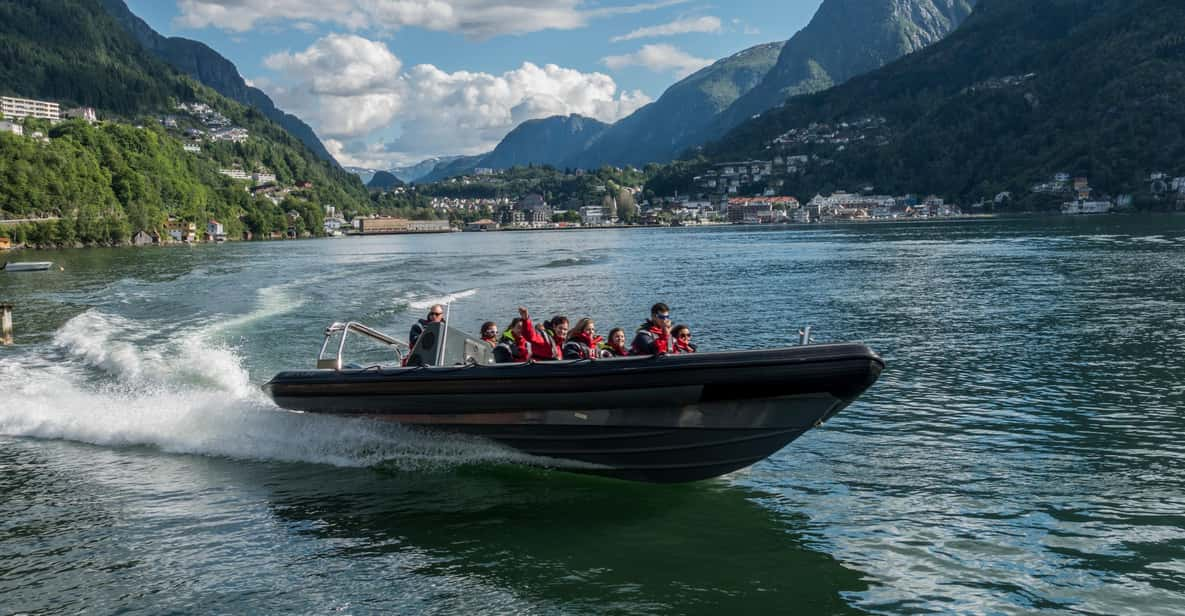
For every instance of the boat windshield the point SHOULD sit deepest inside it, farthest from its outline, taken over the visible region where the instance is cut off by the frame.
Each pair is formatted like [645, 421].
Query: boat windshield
[440, 345]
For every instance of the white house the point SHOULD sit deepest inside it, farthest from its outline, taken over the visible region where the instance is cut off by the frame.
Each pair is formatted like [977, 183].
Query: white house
[215, 231]
[592, 215]
[82, 113]
[11, 127]
[333, 225]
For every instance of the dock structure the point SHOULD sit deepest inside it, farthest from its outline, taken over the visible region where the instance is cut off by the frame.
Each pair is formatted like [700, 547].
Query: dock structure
[5, 324]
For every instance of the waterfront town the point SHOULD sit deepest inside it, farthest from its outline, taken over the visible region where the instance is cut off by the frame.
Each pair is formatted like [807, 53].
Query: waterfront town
[748, 192]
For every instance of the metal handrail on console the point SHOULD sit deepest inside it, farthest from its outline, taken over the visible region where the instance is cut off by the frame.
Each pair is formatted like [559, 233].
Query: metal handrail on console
[335, 363]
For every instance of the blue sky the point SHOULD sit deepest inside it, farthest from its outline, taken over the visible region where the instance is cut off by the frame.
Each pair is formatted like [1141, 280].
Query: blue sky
[387, 83]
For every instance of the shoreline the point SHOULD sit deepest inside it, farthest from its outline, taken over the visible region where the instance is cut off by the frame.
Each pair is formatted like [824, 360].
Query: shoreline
[789, 225]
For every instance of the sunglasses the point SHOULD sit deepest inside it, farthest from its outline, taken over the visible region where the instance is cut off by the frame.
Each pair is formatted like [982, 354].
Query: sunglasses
[685, 336]
[490, 332]
[436, 314]
[664, 317]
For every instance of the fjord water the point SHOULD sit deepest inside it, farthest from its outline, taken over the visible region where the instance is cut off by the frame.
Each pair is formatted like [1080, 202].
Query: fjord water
[1022, 452]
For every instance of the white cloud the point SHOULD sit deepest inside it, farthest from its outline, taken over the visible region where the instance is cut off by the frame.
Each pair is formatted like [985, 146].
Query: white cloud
[341, 65]
[680, 26]
[350, 88]
[473, 18]
[659, 58]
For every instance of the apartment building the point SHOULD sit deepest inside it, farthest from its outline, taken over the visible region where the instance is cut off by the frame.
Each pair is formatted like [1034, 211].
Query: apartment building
[13, 108]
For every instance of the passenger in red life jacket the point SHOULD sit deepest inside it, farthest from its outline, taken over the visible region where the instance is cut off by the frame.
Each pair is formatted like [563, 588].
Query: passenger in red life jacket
[489, 333]
[615, 346]
[435, 315]
[653, 338]
[519, 341]
[583, 342]
[551, 339]
[681, 340]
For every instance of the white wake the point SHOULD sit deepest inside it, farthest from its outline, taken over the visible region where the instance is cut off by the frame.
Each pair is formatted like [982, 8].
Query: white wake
[114, 382]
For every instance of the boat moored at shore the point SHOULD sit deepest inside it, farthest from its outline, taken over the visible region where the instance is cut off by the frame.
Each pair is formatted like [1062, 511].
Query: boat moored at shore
[27, 266]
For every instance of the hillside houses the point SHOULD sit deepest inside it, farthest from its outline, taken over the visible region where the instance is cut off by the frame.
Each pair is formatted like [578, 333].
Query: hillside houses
[463, 204]
[734, 177]
[11, 127]
[842, 206]
[217, 127]
[839, 135]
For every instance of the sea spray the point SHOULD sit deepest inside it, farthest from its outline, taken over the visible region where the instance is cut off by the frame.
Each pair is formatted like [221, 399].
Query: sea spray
[424, 304]
[194, 397]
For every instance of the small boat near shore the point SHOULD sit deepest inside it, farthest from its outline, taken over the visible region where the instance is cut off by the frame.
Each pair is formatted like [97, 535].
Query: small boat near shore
[667, 418]
[27, 266]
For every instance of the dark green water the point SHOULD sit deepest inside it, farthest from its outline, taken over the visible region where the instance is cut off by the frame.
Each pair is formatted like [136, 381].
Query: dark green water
[1023, 452]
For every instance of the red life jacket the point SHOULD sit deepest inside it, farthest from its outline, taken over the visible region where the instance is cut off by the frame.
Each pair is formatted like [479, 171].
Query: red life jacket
[652, 339]
[545, 347]
[679, 346]
[582, 346]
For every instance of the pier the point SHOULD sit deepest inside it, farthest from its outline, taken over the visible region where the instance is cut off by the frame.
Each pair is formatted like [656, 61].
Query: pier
[5, 324]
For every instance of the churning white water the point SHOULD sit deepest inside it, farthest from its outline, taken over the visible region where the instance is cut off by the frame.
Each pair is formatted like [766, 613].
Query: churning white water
[111, 381]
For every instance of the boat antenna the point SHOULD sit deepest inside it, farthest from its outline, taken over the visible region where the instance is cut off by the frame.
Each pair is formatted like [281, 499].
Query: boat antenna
[443, 333]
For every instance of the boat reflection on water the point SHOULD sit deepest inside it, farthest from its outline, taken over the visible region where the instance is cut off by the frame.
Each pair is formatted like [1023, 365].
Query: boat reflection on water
[136, 530]
[564, 543]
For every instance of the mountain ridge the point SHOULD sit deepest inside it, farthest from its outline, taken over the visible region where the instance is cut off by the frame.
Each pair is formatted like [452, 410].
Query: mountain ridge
[211, 68]
[662, 129]
[808, 63]
[709, 102]
[1022, 91]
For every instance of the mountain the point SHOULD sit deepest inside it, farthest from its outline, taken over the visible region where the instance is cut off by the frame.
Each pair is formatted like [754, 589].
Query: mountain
[212, 69]
[406, 173]
[72, 52]
[661, 130]
[1023, 90]
[459, 165]
[412, 173]
[384, 180]
[845, 38]
[658, 131]
[544, 141]
[134, 169]
[363, 173]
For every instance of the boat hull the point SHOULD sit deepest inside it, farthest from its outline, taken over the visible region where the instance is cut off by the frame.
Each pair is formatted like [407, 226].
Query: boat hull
[27, 266]
[661, 419]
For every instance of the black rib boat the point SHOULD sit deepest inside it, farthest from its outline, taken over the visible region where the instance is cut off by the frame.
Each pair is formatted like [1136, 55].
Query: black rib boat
[668, 418]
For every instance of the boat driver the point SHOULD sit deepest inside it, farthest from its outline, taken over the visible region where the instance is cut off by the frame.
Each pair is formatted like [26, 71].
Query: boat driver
[435, 315]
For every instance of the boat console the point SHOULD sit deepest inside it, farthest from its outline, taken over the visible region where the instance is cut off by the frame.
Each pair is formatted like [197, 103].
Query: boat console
[439, 345]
